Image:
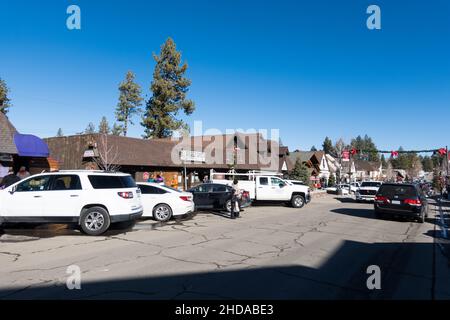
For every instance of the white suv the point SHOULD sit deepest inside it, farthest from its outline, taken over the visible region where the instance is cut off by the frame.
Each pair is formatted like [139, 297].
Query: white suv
[92, 199]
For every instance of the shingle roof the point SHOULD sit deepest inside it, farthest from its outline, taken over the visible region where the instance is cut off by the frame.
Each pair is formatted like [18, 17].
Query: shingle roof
[303, 156]
[7, 132]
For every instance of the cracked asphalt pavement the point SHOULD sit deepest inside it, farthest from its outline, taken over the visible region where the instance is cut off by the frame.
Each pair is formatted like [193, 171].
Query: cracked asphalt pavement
[321, 251]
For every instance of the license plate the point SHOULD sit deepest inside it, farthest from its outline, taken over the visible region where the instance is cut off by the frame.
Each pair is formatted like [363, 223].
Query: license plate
[396, 202]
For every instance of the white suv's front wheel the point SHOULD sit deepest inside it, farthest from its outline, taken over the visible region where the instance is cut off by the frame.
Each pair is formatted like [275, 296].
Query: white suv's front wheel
[94, 221]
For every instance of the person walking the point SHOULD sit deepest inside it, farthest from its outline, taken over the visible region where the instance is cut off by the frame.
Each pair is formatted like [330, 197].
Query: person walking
[235, 200]
[9, 179]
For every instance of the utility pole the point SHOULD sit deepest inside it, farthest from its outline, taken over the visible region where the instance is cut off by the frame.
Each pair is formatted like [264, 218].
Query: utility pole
[447, 175]
[446, 157]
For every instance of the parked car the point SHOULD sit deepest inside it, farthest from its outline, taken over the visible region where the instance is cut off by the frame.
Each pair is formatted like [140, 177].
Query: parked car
[368, 190]
[264, 187]
[92, 199]
[355, 186]
[212, 196]
[162, 202]
[334, 189]
[401, 199]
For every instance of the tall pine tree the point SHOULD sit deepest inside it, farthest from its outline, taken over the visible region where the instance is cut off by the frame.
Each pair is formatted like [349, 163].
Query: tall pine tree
[169, 87]
[90, 129]
[129, 102]
[367, 147]
[103, 127]
[327, 146]
[116, 130]
[5, 102]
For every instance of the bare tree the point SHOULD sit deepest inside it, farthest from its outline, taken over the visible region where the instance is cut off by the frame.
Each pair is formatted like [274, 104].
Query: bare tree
[390, 173]
[107, 155]
[416, 168]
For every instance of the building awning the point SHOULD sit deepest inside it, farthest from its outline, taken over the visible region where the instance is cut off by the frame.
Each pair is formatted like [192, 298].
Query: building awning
[29, 145]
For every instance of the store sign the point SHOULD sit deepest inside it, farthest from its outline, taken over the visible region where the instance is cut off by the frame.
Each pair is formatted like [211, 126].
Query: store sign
[88, 153]
[197, 156]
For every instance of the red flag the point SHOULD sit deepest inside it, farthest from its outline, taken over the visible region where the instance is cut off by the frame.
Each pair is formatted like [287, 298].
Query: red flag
[442, 151]
[394, 154]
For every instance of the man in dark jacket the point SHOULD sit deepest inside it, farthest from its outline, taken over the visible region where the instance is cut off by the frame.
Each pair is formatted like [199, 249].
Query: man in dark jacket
[235, 200]
[9, 179]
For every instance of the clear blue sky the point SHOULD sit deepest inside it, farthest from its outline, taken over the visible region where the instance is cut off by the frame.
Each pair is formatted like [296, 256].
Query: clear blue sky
[309, 68]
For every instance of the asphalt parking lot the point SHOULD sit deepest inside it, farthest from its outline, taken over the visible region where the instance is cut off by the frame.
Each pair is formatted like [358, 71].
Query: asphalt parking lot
[321, 251]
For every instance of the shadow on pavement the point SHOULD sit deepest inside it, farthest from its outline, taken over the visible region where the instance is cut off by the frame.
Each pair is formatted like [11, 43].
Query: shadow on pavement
[406, 273]
[356, 212]
[39, 231]
[345, 200]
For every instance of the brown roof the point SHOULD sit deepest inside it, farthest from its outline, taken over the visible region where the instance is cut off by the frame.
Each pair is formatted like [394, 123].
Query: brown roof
[7, 132]
[164, 152]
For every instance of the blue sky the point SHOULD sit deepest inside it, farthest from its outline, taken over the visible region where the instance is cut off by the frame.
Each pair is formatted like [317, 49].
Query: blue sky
[308, 68]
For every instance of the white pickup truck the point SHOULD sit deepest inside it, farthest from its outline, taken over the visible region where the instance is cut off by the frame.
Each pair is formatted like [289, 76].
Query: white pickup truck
[367, 191]
[271, 188]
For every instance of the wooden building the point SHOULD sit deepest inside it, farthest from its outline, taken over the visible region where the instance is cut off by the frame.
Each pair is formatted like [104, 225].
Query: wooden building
[191, 157]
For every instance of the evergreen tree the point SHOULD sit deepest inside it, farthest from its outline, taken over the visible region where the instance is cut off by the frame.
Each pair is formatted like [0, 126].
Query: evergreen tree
[327, 146]
[367, 146]
[300, 172]
[90, 128]
[169, 87]
[5, 102]
[116, 130]
[60, 133]
[383, 162]
[129, 102]
[313, 148]
[331, 180]
[103, 127]
[427, 164]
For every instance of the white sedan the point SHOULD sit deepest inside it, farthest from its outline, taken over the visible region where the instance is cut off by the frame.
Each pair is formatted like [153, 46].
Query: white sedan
[162, 202]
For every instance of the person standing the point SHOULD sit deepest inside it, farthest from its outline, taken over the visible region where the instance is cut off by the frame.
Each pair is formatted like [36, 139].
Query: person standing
[159, 179]
[151, 178]
[9, 179]
[235, 200]
[23, 173]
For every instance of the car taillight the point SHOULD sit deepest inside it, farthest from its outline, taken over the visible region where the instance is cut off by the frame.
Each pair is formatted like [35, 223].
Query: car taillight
[185, 198]
[381, 199]
[125, 195]
[413, 202]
